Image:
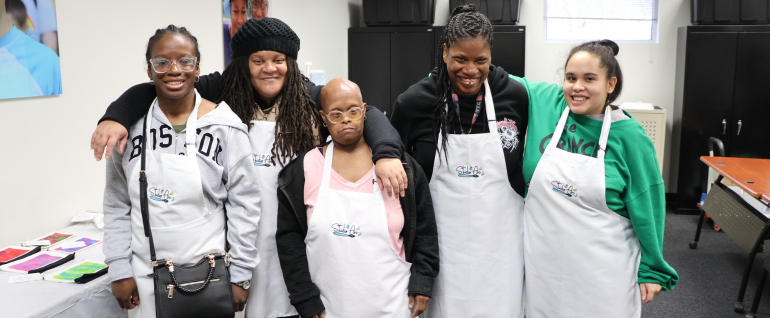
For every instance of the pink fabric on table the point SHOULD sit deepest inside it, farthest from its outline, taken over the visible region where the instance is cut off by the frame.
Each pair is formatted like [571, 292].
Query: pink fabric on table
[314, 165]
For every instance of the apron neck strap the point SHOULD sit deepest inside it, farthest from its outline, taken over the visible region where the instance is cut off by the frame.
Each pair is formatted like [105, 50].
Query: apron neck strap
[192, 126]
[490, 108]
[602, 138]
[192, 120]
[328, 159]
[605, 132]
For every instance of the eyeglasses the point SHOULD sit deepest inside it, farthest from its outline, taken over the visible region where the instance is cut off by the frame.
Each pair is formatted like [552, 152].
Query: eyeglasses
[259, 5]
[185, 64]
[337, 116]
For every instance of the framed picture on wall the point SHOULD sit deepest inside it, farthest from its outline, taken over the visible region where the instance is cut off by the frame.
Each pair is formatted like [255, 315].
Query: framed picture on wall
[235, 13]
[29, 49]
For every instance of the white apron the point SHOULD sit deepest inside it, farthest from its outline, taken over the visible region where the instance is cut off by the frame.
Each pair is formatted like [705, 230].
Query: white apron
[269, 297]
[182, 227]
[350, 255]
[479, 221]
[582, 258]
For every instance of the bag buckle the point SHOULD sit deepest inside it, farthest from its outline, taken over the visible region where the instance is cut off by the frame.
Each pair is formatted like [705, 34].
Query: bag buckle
[170, 265]
[211, 260]
[227, 259]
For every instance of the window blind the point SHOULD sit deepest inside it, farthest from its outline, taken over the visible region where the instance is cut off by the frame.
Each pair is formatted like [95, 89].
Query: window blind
[618, 20]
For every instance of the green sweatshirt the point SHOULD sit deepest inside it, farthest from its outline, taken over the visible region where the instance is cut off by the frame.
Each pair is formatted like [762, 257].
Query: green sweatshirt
[635, 188]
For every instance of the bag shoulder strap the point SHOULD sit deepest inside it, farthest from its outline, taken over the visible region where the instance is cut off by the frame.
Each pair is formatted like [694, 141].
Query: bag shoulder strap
[143, 191]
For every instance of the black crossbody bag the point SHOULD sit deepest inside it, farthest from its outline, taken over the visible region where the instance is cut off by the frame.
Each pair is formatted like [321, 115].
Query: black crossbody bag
[200, 290]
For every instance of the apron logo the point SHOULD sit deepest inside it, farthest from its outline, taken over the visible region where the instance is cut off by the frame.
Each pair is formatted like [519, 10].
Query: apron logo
[159, 194]
[564, 189]
[469, 171]
[349, 230]
[509, 134]
[263, 160]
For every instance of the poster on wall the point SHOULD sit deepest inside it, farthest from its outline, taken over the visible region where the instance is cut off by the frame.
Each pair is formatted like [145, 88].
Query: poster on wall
[235, 13]
[29, 49]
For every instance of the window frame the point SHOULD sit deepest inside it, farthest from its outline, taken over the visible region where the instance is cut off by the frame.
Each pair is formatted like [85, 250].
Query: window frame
[654, 32]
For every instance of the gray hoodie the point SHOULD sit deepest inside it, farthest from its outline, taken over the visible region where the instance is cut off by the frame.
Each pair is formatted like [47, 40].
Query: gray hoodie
[228, 176]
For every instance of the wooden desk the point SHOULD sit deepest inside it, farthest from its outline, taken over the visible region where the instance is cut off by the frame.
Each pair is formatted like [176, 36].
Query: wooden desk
[743, 223]
[752, 175]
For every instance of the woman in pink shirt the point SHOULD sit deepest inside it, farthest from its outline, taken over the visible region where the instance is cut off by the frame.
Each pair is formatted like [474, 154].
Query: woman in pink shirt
[345, 249]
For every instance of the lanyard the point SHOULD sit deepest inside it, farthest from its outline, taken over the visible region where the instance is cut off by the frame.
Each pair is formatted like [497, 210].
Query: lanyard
[479, 100]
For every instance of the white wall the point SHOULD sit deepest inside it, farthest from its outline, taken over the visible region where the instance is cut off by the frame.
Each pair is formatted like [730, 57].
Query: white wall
[48, 171]
[322, 27]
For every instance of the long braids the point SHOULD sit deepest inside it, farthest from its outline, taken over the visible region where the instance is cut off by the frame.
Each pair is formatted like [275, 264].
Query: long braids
[294, 133]
[236, 91]
[464, 23]
[297, 116]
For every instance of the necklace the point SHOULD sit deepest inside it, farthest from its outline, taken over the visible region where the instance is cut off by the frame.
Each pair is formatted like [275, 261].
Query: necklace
[479, 99]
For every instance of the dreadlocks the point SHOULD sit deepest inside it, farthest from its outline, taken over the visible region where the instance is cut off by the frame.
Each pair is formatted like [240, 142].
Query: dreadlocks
[294, 131]
[465, 23]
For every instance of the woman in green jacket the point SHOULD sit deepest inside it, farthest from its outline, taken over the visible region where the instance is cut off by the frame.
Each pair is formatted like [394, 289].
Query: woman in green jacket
[595, 207]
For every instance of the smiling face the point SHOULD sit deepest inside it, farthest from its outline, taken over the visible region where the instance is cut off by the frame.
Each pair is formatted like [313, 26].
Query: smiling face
[259, 8]
[586, 85]
[268, 73]
[173, 84]
[467, 64]
[343, 95]
[237, 15]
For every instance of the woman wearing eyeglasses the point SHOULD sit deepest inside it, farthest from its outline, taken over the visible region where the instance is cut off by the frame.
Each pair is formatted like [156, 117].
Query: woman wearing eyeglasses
[199, 173]
[264, 88]
[346, 248]
[259, 8]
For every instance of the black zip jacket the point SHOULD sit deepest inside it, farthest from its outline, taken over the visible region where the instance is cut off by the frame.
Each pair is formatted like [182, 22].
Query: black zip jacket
[135, 102]
[419, 233]
[413, 119]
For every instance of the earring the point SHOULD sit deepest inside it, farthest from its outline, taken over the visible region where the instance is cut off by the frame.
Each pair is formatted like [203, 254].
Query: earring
[198, 79]
[324, 124]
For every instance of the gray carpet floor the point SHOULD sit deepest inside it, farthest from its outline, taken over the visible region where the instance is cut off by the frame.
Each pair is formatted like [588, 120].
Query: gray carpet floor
[709, 276]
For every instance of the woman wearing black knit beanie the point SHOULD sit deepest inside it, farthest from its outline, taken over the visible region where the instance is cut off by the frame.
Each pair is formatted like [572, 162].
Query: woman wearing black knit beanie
[263, 86]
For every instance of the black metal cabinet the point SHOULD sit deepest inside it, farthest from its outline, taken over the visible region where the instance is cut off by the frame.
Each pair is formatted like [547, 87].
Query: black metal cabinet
[726, 95]
[385, 61]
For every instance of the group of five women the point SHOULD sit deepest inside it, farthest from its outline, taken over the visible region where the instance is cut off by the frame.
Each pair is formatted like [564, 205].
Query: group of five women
[346, 227]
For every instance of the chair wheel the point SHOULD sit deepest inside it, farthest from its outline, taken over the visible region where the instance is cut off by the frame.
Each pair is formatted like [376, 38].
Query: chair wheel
[693, 245]
[738, 307]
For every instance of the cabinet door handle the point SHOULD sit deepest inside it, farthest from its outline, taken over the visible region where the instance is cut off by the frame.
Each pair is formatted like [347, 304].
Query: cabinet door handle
[724, 126]
[739, 127]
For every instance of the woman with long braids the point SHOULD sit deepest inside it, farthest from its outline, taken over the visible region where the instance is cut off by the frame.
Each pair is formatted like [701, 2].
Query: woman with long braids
[595, 206]
[263, 86]
[462, 125]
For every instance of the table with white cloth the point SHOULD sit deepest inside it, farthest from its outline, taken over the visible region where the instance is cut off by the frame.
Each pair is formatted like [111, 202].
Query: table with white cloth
[51, 299]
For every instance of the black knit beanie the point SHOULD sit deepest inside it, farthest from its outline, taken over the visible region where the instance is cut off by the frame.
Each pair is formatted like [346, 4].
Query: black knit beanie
[267, 34]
